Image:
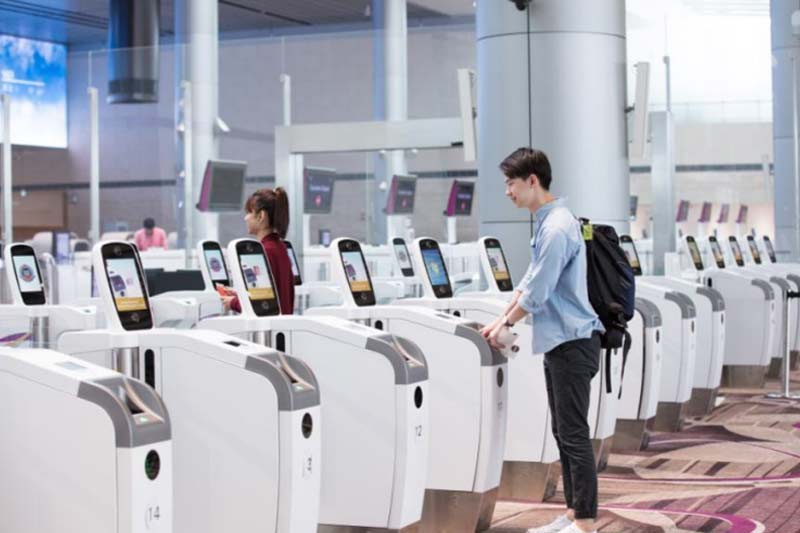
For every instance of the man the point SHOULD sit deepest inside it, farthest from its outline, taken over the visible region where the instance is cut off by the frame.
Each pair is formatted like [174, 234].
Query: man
[566, 328]
[150, 236]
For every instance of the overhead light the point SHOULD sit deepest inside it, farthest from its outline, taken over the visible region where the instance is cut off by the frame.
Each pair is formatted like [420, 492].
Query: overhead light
[368, 10]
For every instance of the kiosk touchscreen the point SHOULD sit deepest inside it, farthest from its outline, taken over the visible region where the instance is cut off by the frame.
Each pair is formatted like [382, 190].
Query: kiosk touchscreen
[628, 247]
[26, 272]
[705, 213]
[694, 252]
[401, 195]
[61, 246]
[770, 250]
[215, 261]
[120, 262]
[724, 214]
[403, 257]
[498, 265]
[318, 190]
[716, 251]
[298, 279]
[754, 251]
[355, 268]
[435, 269]
[257, 278]
[736, 251]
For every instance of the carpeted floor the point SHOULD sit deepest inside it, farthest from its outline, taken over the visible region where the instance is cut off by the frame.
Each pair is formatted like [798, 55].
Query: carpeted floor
[736, 470]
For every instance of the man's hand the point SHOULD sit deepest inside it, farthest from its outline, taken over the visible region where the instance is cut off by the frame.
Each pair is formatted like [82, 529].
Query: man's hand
[226, 302]
[495, 334]
[486, 330]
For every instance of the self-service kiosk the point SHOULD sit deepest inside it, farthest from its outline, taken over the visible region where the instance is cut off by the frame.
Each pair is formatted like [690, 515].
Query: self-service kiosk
[438, 294]
[750, 309]
[83, 449]
[245, 418]
[710, 332]
[467, 390]
[375, 446]
[638, 401]
[29, 312]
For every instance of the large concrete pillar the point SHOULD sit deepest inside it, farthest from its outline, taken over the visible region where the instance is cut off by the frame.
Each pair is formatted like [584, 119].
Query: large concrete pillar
[552, 77]
[196, 61]
[785, 51]
[390, 102]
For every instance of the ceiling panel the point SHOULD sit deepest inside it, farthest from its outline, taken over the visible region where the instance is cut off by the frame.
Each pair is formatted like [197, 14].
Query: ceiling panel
[85, 21]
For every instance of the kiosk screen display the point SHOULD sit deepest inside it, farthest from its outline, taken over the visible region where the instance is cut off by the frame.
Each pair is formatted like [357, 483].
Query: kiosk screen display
[27, 273]
[216, 265]
[498, 264]
[751, 243]
[716, 251]
[705, 213]
[724, 214]
[630, 253]
[737, 251]
[694, 252]
[401, 252]
[356, 271]
[126, 287]
[256, 277]
[434, 265]
[770, 249]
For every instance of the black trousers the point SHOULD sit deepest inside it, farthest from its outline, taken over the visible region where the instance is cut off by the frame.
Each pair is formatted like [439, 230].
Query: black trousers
[568, 370]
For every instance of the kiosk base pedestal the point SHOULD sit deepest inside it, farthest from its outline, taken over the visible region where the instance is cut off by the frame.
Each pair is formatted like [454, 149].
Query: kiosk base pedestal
[448, 511]
[630, 435]
[602, 449]
[669, 417]
[744, 376]
[702, 402]
[528, 481]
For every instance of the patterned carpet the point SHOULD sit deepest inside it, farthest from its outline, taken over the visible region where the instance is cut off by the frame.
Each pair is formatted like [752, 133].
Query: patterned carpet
[736, 470]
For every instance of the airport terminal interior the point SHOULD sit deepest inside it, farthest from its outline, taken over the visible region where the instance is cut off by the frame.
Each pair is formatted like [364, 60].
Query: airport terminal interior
[250, 247]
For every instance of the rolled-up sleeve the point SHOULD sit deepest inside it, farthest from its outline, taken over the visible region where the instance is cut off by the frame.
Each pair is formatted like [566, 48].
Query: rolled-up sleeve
[525, 279]
[545, 270]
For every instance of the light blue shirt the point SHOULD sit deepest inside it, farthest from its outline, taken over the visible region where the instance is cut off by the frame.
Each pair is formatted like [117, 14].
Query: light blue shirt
[554, 287]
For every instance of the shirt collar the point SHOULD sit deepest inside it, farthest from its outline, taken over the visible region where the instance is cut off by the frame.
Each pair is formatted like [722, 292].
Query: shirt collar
[546, 208]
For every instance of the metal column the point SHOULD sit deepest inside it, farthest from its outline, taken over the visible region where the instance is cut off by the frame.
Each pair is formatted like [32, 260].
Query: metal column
[533, 68]
[8, 199]
[785, 52]
[663, 179]
[391, 103]
[94, 165]
[196, 62]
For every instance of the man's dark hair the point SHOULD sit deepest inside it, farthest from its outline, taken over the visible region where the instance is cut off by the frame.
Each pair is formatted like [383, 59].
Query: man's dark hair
[149, 223]
[523, 162]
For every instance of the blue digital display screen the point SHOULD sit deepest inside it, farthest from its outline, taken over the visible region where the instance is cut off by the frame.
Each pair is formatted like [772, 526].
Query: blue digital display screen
[34, 74]
[435, 267]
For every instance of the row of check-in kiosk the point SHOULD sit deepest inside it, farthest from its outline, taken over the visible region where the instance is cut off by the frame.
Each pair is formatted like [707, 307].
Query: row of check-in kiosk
[143, 412]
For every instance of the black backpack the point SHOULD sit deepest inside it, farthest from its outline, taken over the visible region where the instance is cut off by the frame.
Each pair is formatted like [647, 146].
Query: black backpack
[612, 289]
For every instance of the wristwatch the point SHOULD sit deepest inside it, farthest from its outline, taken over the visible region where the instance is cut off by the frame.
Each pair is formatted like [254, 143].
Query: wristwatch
[508, 324]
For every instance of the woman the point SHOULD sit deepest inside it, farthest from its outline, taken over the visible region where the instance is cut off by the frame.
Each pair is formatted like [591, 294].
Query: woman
[267, 218]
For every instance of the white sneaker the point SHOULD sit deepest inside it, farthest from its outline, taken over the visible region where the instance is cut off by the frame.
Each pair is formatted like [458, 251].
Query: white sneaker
[556, 526]
[572, 528]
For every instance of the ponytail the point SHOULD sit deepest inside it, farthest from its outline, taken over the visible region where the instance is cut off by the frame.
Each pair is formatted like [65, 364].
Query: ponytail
[280, 220]
[275, 204]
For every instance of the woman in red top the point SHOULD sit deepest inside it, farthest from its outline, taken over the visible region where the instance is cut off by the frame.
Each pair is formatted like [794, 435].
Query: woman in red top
[267, 218]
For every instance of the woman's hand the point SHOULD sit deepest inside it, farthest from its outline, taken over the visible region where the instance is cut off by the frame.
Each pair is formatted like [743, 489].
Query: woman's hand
[227, 301]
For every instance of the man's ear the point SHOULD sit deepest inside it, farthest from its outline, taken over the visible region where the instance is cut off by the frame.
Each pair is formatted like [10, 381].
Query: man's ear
[533, 180]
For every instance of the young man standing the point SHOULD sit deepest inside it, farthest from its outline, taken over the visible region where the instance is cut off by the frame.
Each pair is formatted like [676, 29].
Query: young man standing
[565, 328]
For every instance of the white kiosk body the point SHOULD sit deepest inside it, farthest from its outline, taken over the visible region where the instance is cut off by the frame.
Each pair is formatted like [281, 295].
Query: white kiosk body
[83, 449]
[468, 394]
